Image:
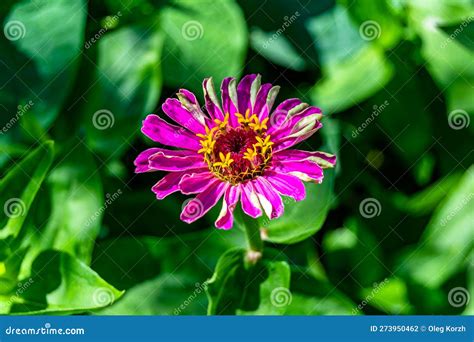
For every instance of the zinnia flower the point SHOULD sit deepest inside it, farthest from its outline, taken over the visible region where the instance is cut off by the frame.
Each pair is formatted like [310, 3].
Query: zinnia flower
[238, 150]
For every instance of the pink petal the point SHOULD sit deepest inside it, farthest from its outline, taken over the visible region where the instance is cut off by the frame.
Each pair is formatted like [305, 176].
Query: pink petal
[212, 103]
[141, 162]
[169, 161]
[261, 100]
[160, 131]
[305, 170]
[189, 102]
[170, 183]
[180, 115]
[287, 185]
[300, 132]
[249, 200]
[243, 92]
[226, 216]
[229, 104]
[195, 183]
[202, 203]
[269, 199]
[322, 158]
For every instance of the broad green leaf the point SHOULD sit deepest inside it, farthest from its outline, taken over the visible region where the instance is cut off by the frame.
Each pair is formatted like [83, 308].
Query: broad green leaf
[377, 21]
[447, 240]
[426, 200]
[462, 33]
[203, 38]
[239, 286]
[303, 219]
[77, 206]
[275, 293]
[167, 294]
[126, 88]
[60, 284]
[446, 11]
[311, 296]
[352, 69]
[389, 296]
[277, 49]
[40, 59]
[19, 187]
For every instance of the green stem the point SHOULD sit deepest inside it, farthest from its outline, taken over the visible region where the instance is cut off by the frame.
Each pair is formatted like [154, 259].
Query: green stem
[252, 230]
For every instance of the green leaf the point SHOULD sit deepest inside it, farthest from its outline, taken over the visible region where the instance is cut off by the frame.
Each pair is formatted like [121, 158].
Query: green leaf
[126, 88]
[239, 286]
[447, 240]
[311, 296]
[389, 295]
[167, 294]
[203, 38]
[352, 69]
[462, 33]
[77, 204]
[61, 284]
[277, 49]
[19, 187]
[303, 219]
[40, 59]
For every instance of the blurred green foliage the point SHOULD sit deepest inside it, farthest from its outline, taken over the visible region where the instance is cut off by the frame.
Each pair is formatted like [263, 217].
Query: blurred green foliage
[390, 231]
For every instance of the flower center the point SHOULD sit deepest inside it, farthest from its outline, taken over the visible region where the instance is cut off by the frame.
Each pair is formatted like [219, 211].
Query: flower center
[237, 154]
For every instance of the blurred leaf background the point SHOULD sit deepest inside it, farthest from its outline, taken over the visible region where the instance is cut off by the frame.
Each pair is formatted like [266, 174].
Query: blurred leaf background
[390, 231]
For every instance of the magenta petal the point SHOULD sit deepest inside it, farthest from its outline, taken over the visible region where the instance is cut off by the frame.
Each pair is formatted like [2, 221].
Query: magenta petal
[160, 131]
[287, 185]
[305, 170]
[293, 122]
[261, 100]
[141, 162]
[226, 216]
[249, 200]
[243, 92]
[269, 199]
[322, 158]
[300, 132]
[229, 104]
[177, 113]
[212, 103]
[169, 183]
[195, 183]
[202, 203]
[175, 162]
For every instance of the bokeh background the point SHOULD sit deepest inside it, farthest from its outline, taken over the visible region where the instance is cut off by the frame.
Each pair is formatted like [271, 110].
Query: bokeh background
[390, 231]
